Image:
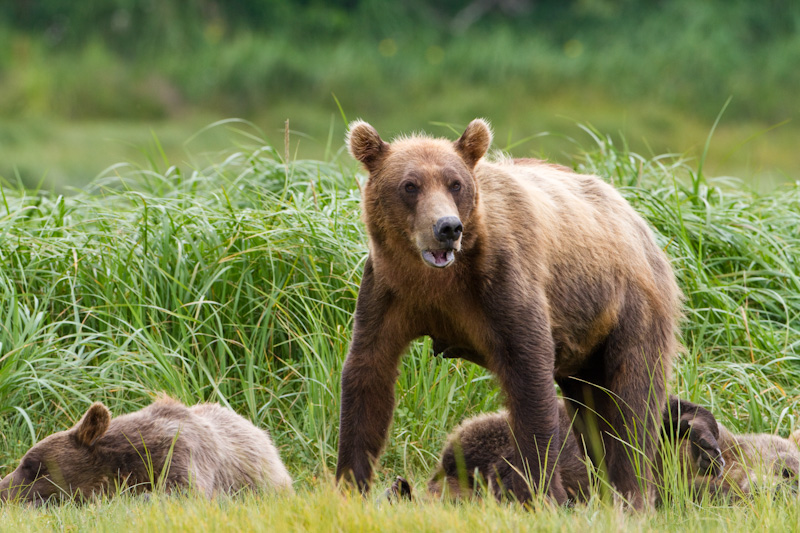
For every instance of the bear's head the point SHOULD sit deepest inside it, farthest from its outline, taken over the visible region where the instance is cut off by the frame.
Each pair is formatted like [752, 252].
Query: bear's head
[63, 465]
[421, 194]
[783, 457]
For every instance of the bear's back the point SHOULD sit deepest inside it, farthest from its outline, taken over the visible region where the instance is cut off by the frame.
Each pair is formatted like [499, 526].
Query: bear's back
[573, 208]
[578, 235]
[220, 450]
[243, 454]
[759, 459]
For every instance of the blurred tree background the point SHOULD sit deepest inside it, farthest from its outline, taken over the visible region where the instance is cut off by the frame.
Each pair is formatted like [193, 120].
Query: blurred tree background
[86, 84]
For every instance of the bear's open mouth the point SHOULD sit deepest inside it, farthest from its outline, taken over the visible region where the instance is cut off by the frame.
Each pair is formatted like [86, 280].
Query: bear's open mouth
[439, 258]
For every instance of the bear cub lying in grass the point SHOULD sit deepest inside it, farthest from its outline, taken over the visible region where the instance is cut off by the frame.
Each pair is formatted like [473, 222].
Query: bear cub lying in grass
[206, 447]
[715, 461]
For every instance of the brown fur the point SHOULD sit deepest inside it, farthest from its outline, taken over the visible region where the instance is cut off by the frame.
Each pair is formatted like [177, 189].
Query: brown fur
[717, 462]
[538, 162]
[755, 461]
[554, 275]
[206, 447]
[480, 450]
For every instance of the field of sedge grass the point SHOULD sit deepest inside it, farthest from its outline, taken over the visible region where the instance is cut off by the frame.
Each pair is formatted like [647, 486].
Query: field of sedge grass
[235, 282]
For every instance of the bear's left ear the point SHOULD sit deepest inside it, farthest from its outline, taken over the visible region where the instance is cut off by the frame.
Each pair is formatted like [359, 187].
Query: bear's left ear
[93, 424]
[366, 145]
[475, 141]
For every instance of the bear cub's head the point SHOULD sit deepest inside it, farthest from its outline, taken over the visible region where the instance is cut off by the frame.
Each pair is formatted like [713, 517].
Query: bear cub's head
[65, 464]
[421, 191]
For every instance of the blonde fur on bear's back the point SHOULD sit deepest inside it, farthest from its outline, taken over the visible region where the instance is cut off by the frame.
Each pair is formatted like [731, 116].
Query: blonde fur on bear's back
[582, 215]
[580, 223]
[222, 451]
[235, 454]
[758, 460]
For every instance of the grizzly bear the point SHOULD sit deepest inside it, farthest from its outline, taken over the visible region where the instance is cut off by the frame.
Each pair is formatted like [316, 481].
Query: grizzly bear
[205, 447]
[527, 269]
[716, 462]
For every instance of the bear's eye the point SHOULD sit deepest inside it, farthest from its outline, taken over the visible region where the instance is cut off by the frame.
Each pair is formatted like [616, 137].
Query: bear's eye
[32, 467]
[410, 187]
[455, 186]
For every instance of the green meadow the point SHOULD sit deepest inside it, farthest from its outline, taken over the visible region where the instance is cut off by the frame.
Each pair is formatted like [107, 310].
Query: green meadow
[236, 281]
[83, 87]
[147, 244]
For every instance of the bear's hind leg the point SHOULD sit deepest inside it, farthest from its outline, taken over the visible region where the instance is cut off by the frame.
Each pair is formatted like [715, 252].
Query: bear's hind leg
[618, 399]
[637, 360]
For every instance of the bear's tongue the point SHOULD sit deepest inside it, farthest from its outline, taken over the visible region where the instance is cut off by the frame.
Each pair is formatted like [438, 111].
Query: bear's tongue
[439, 256]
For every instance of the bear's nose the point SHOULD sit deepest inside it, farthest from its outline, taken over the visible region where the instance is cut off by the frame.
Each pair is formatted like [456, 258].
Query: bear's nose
[448, 229]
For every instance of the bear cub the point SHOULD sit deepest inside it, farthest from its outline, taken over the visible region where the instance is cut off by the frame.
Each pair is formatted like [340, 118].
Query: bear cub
[205, 447]
[717, 462]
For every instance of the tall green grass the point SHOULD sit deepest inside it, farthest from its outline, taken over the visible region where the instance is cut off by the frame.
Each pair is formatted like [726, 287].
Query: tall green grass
[236, 282]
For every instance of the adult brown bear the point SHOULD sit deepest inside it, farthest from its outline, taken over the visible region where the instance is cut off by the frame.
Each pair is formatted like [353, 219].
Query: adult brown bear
[523, 267]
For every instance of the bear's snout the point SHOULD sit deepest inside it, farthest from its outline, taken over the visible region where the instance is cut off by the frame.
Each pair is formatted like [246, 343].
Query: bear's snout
[447, 235]
[11, 489]
[447, 230]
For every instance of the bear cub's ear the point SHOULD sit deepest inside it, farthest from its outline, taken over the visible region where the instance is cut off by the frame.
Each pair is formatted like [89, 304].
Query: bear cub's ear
[93, 424]
[475, 141]
[795, 437]
[366, 145]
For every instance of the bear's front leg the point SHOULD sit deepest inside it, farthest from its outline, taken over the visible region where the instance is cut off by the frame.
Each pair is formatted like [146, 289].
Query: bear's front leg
[533, 415]
[368, 380]
[523, 363]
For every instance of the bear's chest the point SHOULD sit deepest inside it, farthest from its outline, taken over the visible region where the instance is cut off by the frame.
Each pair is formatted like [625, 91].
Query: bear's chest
[454, 322]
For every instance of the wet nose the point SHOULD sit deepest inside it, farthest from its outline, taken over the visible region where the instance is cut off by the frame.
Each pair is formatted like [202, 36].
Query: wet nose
[448, 229]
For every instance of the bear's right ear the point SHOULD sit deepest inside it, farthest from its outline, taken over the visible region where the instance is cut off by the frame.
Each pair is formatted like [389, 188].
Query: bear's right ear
[93, 424]
[366, 145]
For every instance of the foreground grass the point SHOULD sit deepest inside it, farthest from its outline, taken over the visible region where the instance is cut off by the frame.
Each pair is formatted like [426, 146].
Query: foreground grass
[236, 281]
[321, 509]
